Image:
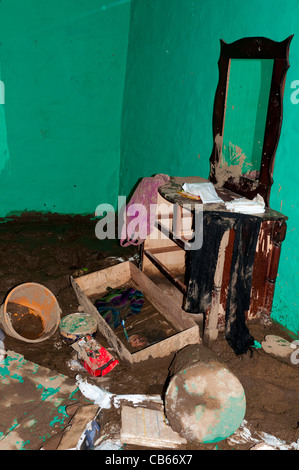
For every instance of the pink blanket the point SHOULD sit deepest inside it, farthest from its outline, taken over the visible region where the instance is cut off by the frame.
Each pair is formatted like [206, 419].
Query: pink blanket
[140, 211]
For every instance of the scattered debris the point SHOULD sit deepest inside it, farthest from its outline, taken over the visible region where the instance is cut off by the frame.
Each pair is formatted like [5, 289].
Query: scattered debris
[88, 438]
[259, 440]
[35, 396]
[121, 259]
[257, 345]
[262, 446]
[276, 443]
[143, 422]
[108, 444]
[80, 272]
[74, 365]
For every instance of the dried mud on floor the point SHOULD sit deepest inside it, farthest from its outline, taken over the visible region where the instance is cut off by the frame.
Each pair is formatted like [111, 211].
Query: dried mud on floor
[48, 250]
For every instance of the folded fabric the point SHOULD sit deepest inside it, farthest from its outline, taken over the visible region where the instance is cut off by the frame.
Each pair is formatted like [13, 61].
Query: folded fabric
[247, 206]
[206, 191]
[118, 303]
[141, 210]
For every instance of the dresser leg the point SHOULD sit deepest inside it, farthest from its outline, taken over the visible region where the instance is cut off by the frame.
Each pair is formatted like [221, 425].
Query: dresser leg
[211, 319]
[278, 236]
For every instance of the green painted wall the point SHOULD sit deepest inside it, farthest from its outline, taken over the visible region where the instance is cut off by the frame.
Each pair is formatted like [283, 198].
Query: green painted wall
[62, 63]
[171, 78]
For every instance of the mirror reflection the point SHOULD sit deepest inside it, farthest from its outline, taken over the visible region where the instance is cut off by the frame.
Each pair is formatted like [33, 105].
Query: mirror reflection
[244, 123]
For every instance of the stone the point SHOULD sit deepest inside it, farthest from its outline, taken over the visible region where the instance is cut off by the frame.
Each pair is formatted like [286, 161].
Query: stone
[281, 349]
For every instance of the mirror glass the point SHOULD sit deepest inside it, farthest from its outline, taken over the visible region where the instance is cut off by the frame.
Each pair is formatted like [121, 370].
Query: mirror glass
[244, 123]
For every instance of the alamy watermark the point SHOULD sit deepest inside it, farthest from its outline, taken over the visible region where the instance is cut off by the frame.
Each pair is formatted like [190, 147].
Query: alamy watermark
[295, 94]
[295, 355]
[137, 222]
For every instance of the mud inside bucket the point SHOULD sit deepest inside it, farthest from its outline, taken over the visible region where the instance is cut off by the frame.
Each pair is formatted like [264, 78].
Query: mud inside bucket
[30, 313]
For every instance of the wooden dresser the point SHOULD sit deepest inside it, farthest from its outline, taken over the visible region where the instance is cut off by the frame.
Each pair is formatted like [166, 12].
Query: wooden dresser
[163, 254]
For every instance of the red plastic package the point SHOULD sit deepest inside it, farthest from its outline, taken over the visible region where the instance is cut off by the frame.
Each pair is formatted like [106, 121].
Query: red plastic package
[94, 357]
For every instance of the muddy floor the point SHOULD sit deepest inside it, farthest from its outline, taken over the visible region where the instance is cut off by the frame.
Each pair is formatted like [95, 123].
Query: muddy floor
[48, 250]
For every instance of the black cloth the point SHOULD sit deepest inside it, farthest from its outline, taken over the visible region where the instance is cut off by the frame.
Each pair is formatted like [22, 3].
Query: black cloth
[200, 271]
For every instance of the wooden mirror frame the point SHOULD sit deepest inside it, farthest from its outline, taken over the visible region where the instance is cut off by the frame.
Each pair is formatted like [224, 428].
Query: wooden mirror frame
[252, 48]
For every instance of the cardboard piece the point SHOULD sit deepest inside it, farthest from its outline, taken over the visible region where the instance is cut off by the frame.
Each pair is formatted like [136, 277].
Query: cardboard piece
[75, 436]
[32, 402]
[147, 427]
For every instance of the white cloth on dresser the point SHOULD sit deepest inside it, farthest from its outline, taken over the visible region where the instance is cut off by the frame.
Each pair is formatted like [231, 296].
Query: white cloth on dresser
[247, 206]
[206, 191]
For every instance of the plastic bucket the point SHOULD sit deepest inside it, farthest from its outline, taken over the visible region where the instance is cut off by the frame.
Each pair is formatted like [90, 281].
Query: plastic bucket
[41, 308]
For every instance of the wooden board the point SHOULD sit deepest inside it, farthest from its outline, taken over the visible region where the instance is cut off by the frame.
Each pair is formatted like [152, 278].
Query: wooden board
[115, 276]
[147, 427]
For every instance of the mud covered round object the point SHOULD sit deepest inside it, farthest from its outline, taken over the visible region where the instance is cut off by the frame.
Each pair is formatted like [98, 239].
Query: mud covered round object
[76, 325]
[204, 401]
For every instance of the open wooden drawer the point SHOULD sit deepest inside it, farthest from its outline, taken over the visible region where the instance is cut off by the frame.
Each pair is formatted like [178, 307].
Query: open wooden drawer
[185, 330]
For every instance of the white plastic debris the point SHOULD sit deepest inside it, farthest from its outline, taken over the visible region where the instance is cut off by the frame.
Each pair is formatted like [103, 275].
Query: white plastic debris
[277, 443]
[118, 258]
[242, 436]
[122, 260]
[260, 440]
[98, 395]
[262, 446]
[108, 444]
[74, 365]
[104, 399]
[136, 399]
